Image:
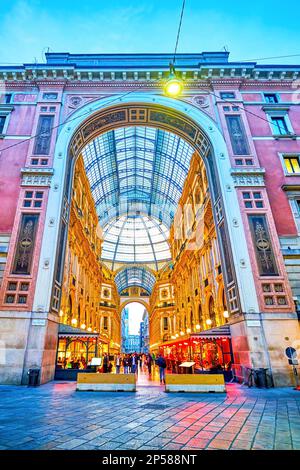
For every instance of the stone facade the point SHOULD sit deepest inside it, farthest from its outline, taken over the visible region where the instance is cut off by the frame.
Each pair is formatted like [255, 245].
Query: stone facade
[243, 120]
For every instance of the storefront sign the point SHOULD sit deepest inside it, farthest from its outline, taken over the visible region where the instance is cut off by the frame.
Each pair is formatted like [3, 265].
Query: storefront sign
[253, 323]
[38, 322]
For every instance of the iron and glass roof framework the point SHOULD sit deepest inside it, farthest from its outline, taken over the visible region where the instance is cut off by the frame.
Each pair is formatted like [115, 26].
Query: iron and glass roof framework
[135, 239]
[135, 276]
[136, 176]
[137, 168]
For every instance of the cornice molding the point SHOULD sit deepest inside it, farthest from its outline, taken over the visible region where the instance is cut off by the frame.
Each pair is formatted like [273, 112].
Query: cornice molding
[248, 177]
[36, 176]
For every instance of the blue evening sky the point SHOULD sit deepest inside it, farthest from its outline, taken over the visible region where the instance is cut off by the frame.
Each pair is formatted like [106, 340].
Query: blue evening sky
[135, 316]
[249, 29]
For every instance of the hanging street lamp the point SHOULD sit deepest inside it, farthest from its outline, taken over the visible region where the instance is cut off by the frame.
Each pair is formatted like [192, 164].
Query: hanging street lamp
[173, 86]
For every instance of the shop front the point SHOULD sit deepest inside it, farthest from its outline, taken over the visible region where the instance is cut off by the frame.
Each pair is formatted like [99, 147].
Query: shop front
[76, 351]
[210, 351]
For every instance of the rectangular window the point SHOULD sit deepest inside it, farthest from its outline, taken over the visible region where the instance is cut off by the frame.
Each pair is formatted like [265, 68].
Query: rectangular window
[50, 96]
[292, 163]
[165, 323]
[8, 98]
[262, 245]
[271, 98]
[279, 125]
[43, 138]
[2, 123]
[33, 199]
[105, 323]
[227, 95]
[237, 135]
[25, 244]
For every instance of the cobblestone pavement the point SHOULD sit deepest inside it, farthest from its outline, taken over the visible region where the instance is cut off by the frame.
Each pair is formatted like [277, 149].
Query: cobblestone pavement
[55, 416]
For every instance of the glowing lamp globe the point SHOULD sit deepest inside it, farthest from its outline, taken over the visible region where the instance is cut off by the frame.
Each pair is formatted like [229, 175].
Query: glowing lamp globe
[74, 321]
[208, 322]
[173, 87]
[226, 314]
[198, 327]
[83, 326]
[181, 333]
[188, 330]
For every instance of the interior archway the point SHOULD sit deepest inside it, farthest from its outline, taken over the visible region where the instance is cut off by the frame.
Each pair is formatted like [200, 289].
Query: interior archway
[134, 328]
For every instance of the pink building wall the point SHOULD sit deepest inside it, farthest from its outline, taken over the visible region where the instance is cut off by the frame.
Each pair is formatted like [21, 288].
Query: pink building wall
[263, 153]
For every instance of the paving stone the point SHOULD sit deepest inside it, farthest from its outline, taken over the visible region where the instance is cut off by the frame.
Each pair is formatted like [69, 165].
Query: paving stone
[241, 444]
[246, 418]
[219, 444]
[71, 444]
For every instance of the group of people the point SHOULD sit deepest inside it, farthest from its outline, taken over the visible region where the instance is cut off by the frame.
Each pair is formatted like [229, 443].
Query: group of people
[132, 363]
[72, 362]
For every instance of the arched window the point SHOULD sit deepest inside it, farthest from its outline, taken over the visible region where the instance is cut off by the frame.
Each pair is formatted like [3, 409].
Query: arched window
[200, 315]
[69, 310]
[224, 307]
[192, 318]
[212, 313]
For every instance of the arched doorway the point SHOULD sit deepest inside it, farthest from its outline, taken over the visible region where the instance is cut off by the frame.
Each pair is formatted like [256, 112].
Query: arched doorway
[193, 126]
[134, 328]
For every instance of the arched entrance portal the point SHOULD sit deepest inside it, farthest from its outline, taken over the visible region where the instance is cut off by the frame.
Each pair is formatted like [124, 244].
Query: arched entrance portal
[134, 328]
[193, 126]
[202, 134]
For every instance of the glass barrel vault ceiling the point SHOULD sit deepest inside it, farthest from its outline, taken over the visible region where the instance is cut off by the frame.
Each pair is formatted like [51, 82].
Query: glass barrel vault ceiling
[135, 276]
[136, 176]
[135, 239]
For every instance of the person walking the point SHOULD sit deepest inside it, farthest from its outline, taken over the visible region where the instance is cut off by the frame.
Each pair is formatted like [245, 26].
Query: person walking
[149, 363]
[162, 364]
[125, 364]
[118, 363]
[133, 363]
[105, 363]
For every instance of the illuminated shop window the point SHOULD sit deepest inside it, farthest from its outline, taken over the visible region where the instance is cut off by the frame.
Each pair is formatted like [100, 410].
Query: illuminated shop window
[292, 164]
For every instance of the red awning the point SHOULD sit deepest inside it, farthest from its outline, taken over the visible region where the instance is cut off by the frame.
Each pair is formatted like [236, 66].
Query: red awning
[214, 333]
